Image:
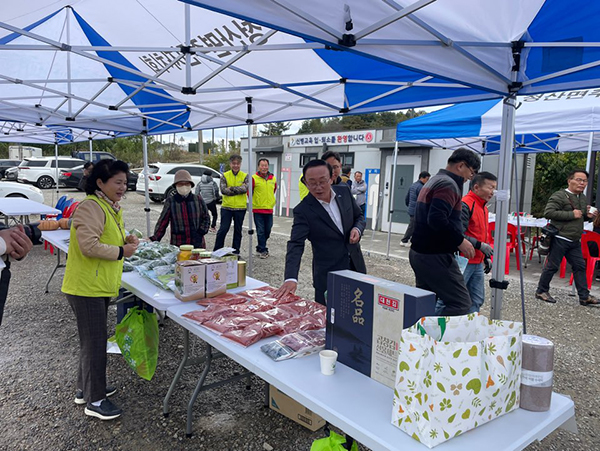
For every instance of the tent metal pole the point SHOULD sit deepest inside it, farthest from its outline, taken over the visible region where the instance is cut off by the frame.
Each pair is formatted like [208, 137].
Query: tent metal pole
[146, 172]
[250, 121]
[588, 165]
[391, 205]
[188, 55]
[519, 241]
[91, 149]
[56, 167]
[502, 204]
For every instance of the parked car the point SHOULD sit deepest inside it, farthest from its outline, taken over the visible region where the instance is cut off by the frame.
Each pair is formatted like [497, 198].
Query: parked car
[7, 164]
[161, 176]
[97, 156]
[14, 189]
[42, 171]
[11, 173]
[70, 178]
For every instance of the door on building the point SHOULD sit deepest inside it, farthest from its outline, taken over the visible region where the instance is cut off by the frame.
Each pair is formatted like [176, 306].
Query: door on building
[407, 169]
[403, 176]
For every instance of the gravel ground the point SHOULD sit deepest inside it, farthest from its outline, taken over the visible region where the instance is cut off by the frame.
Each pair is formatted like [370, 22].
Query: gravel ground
[38, 360]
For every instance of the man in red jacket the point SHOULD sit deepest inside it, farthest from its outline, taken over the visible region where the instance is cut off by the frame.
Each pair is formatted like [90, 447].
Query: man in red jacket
[475, 223]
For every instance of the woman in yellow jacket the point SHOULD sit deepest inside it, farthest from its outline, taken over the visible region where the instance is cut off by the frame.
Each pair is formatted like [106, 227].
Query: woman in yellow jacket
[93, 276]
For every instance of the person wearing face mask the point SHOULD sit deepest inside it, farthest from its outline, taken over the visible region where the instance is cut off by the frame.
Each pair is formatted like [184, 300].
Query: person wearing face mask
[185, 212]
[97, 247]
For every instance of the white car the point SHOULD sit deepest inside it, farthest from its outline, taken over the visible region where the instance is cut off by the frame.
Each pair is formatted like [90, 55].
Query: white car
[161, 176]
[14, 189]
[41, 171]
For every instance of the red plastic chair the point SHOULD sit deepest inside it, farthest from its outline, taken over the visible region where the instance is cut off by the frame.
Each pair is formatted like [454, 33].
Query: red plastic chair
[70, 210]
[586, 239]
[511, 244]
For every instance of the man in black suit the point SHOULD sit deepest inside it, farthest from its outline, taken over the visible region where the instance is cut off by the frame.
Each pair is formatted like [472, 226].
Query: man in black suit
[330, 219]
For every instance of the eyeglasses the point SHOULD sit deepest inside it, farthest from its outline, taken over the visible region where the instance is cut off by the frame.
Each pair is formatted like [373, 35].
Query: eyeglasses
[581, 180]
[317, 183]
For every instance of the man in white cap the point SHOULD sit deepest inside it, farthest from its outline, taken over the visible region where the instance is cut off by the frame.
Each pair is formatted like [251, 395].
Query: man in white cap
[185, 212]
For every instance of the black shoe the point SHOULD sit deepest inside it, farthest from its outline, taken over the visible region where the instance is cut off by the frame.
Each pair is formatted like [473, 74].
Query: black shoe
[105, 411]
[110, 390]
[545, 297]
[590, 300]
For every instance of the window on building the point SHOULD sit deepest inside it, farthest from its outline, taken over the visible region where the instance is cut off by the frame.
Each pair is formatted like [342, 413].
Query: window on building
[306, 157]
[347, 159]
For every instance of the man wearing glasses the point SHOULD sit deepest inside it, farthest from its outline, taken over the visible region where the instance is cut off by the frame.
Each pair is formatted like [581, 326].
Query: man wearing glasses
[567, 209]
[333, 223]
[438, 234]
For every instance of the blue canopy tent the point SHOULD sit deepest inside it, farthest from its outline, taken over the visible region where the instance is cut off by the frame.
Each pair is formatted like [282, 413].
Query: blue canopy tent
[501, 48]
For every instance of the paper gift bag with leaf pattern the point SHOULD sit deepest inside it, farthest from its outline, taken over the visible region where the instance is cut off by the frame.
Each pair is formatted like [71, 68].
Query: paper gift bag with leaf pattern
[454, 374]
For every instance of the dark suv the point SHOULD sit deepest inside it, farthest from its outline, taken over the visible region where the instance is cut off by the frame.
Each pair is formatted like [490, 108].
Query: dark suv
[7, 164]
[97, 156]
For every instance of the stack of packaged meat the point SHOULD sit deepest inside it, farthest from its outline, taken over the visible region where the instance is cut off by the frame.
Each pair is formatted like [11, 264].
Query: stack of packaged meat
[252, 315]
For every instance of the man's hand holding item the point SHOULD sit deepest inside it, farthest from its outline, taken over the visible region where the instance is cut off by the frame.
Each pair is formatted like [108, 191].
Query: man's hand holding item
[486, 249]
[577, 214]
[17, 243]
[467, 249]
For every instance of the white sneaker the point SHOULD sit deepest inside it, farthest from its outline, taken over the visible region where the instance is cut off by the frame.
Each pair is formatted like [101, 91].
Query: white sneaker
[403, 244]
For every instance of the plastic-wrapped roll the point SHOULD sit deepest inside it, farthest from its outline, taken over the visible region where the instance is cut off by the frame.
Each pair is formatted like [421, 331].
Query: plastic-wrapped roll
[536, 374]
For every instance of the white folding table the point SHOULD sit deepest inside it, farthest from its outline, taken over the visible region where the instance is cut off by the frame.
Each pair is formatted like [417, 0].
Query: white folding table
[59, 239]
[17, 207]
[362, 407]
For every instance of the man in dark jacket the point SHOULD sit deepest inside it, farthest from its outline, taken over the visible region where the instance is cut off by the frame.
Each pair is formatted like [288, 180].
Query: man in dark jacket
[439, 234]
[330, 219]
[411, 203]
[567, 209]
[15, 242]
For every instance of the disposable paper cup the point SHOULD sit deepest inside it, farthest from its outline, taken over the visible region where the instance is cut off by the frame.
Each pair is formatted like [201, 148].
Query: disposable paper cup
[328, 359]
[593, 210]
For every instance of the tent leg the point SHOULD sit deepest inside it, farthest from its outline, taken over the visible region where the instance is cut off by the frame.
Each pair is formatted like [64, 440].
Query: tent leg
[502, 205]
[146, 195]
[519, 243]
[56, 170]
[588, 167]
[250, 121]
[391, 205]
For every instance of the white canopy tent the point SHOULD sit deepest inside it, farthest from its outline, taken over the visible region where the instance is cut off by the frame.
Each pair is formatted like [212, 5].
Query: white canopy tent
[96, 64]
[505, 48]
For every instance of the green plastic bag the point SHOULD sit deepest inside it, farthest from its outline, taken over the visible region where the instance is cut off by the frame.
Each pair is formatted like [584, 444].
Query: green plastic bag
[137, 337]
[332, 443]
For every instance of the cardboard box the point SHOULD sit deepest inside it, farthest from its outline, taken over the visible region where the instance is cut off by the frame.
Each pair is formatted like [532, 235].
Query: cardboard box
[365, 318]
[190, 276]
[282, 403]
[232, 270]
[216, 276]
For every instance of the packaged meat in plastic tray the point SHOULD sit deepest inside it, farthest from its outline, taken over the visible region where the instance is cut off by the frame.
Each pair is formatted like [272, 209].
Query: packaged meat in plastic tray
[222, 324]
[266, 294]
[253, 333]
[223, 299]
[303, 307]
[294, 345]
[299, 323]
[212, 312]
[273, 315]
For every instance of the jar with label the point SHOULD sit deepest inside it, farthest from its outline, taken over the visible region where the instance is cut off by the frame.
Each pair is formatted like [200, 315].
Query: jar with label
[205, 254]
[196, 254]
[185, 252]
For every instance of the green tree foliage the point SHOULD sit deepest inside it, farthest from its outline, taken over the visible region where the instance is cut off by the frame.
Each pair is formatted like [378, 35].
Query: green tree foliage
[275, 128]
[551, 172]
[357, 122]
